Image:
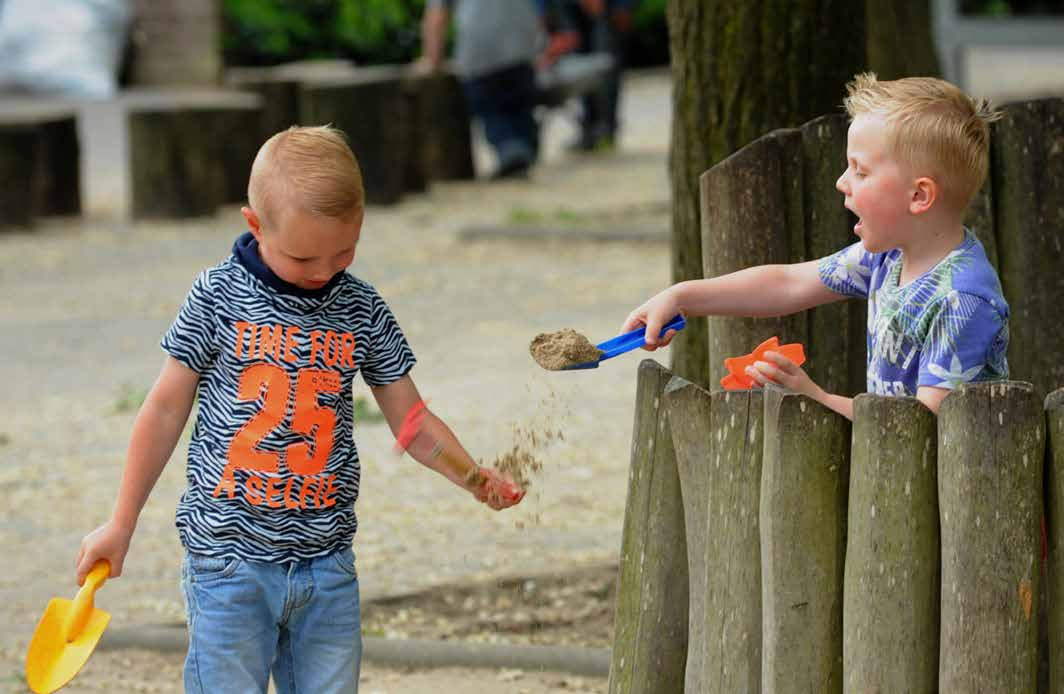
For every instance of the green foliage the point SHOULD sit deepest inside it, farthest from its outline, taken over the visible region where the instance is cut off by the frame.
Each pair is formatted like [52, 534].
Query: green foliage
[267, 32]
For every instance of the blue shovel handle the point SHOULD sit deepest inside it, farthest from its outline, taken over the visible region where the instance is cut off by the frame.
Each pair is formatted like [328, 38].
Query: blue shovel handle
[627, 342]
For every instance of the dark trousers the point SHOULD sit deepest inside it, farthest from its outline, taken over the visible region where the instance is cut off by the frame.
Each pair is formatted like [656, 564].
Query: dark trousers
[503, 101]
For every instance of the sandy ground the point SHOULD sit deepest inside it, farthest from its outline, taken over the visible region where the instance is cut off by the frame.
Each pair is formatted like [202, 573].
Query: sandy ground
[82, 307]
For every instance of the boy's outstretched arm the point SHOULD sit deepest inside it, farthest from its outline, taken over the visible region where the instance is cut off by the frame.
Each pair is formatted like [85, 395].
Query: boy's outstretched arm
[757, 292]
[779, 369]
[395, 400]
[157, 428]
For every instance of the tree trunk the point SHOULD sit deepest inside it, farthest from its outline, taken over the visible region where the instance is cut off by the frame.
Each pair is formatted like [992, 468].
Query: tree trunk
[741, 69]
[900, 43]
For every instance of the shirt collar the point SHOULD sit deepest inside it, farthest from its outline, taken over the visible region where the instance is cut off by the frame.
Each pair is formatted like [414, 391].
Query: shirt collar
[246, 251]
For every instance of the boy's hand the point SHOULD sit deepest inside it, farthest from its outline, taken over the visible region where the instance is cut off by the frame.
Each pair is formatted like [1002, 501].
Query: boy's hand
[495, 490]
[109, 541]
[653, 314]
[782, 371]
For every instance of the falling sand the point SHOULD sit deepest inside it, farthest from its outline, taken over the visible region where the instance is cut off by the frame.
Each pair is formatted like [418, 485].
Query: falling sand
[564, 348]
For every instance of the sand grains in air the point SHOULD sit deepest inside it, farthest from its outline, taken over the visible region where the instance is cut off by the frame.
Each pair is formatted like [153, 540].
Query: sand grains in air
[563, 348]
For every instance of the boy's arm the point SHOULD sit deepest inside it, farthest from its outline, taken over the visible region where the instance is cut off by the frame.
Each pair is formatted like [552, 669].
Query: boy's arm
[757, 292]
[932, 396]
[395, 400]
[156, 430]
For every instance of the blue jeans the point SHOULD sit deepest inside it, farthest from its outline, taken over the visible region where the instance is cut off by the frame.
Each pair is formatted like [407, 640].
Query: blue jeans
[299, 620]
[504, 102]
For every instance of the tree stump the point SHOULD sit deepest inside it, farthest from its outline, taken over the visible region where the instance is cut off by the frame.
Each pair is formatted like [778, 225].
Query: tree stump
[19, 143]
[1055, 537]
[371, 109]
[445, 120]
[650, 632]
[54, 166]
[190, 151]
[804, 482]
[991, 447]
[718, 443]
[890, 611]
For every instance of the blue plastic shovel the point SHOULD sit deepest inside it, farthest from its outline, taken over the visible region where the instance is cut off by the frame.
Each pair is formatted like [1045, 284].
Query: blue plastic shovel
[626, 343]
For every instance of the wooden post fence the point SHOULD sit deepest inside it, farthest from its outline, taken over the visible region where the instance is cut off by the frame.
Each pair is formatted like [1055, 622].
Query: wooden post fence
[650, 636]
[991, 446]
[804, 485]
[890, 614]
[1055, 536]
[718, 441]
[903, 557]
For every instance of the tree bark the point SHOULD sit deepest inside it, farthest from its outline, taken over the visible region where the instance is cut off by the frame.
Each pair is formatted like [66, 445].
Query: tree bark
[740, 70]
[900, 43]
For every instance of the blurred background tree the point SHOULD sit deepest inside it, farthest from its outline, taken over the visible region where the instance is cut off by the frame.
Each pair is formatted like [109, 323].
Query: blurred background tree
[268, 32]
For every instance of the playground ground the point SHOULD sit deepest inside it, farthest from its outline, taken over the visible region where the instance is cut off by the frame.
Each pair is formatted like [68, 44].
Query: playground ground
[83, 304]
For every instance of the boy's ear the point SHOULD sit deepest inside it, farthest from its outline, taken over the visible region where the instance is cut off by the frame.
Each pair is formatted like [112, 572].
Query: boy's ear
[254, 225]
[925, 194]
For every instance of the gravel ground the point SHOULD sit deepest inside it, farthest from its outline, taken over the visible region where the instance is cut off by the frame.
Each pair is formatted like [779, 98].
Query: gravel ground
[83, 304]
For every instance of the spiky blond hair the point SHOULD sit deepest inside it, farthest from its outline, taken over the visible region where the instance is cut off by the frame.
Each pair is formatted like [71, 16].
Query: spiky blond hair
[933, 127]
[310, 167]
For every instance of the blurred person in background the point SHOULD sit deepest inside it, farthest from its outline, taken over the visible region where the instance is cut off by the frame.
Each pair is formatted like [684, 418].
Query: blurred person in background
[585, 27]
[496, 45]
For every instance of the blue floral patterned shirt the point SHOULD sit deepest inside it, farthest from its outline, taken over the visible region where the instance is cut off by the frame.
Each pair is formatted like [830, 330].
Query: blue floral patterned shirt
[946, 327]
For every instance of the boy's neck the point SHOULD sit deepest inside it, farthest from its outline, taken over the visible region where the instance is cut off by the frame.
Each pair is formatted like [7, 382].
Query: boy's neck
[928, 247]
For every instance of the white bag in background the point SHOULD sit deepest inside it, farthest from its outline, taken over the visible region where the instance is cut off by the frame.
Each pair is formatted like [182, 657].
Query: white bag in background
[68, 47]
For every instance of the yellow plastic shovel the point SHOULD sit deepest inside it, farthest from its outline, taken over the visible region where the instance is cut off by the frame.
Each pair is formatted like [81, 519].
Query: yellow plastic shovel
[66, 635]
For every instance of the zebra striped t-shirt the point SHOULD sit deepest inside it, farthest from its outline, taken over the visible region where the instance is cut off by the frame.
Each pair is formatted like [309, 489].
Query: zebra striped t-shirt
[273, 472]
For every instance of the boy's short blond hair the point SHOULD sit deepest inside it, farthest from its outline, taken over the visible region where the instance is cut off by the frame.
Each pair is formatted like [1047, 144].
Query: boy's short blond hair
[933, 126]
[310, 167]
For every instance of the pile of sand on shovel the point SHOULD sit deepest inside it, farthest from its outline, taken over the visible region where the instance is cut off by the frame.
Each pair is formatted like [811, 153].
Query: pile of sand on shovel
[563, 348]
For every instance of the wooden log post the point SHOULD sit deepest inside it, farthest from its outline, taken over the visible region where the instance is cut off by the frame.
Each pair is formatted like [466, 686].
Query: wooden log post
[650, 632]
[718, 440]
[836, 332]
[19, 143]
[445, 121]
[1055, 536]
[190, 152]
[991, 447]
[371, 109]
[890, 610]
[1028, 190]
[752, 215]
[804, 482]
[55, 166]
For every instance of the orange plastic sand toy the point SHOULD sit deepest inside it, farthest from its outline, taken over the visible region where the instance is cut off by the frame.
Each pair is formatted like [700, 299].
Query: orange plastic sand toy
[736, 366]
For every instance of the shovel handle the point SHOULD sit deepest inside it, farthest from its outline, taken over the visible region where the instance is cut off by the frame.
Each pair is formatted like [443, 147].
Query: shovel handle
[81, 609]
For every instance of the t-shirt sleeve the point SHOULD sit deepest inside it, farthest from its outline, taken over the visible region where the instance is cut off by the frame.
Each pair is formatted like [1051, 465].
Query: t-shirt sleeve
[389, 356]
[190, 338]
[848, 272]
[967, 341]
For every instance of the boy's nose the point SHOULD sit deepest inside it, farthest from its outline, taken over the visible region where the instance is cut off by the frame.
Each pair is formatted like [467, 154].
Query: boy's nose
[840, 184]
